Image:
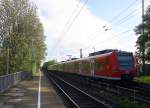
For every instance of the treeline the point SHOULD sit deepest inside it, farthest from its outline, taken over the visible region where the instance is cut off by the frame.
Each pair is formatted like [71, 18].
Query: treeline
[143, 41]
[47, 64]
[21, 36]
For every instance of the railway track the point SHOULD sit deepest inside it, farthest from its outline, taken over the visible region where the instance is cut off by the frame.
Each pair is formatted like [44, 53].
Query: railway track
[131, 89]
[77, 97]
[143, 88]
[135, 93]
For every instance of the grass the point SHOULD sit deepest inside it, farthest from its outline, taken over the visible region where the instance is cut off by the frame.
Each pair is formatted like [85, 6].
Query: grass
[143, 79]
[126, 102]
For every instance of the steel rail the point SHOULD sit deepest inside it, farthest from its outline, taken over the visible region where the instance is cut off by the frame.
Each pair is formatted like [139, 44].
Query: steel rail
[88, 97]
[134, 92]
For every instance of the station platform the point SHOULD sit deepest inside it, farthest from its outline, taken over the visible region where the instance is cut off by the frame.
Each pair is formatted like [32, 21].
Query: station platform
[35, 93]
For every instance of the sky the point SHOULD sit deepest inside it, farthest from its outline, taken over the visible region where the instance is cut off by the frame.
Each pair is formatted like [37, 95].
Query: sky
[70, 25]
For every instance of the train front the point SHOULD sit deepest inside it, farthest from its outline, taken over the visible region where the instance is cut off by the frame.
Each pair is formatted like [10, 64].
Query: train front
[126, 65]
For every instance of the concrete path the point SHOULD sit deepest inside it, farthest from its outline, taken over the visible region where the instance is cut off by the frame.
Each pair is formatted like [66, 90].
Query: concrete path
[26, 95]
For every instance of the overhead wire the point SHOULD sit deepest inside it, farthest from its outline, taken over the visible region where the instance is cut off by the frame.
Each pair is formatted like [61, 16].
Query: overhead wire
[112, 37]
[129, 16]
[68, 21]
[124, 19]
[121, 21]
[112, 20]
[73, 12]
[70, 24]
[124, 10]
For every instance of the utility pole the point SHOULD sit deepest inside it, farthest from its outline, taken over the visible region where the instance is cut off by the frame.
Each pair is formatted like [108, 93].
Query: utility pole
[143, 50]
[32, 55]
[81, 53]
[8, 50]
[32, 48]
[94, 49]
[7, 70]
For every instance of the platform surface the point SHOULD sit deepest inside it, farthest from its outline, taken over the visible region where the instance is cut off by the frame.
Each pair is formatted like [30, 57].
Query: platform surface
[26, 95]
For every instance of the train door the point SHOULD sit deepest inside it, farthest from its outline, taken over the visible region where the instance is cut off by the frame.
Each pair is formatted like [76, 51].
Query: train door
[92, 67]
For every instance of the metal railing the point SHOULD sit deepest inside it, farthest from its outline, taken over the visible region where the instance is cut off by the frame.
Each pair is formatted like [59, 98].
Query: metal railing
[6, 81]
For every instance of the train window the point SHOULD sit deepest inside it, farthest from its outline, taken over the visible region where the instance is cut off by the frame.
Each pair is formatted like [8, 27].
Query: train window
[80, 66]
[125, 61]
[86, 65]
[76, 66]
[72, 65]
[99, 66]
[67, 66]
[83, 64]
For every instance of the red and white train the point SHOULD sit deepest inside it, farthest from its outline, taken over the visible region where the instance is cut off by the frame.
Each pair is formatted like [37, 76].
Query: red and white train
[108, 64]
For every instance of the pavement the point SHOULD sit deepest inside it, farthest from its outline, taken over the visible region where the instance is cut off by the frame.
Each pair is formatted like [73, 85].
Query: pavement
[26, 95]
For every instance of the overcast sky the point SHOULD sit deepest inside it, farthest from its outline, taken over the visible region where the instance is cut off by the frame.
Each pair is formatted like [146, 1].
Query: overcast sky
[100, 24]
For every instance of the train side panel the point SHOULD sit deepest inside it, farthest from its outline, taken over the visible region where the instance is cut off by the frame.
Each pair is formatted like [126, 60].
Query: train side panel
[122, 66]
[101, 66]
[86, 67]
[114, 65]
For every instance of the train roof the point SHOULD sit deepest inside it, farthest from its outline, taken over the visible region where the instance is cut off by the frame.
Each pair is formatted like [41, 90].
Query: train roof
[102, 52]
[97, 54]
[86, 58]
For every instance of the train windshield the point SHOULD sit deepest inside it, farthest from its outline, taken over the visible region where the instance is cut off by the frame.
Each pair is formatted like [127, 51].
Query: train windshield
[125, 60]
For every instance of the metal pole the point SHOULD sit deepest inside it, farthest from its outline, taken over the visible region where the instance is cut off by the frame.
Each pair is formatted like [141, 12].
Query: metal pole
[143, 50]
[81, 53]
[32, 48]
[7, 46]
[94, 49]
[31, 54]
[7, 70]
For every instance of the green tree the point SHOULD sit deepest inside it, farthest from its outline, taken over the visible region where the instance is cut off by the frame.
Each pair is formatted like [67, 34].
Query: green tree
[46, 64]
[143, 40]
[21, 36]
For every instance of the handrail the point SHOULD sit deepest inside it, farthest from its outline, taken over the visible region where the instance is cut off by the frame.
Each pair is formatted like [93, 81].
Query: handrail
[10, 74]
[7, 81]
